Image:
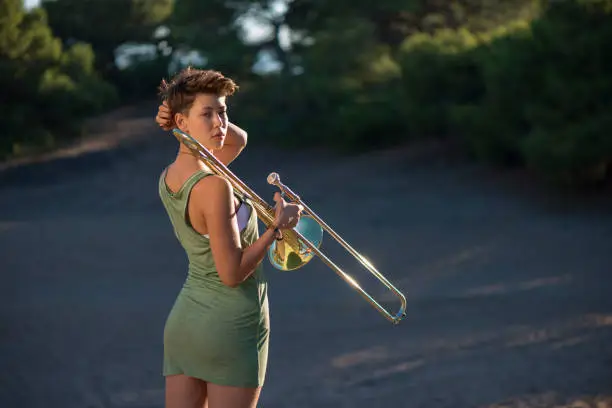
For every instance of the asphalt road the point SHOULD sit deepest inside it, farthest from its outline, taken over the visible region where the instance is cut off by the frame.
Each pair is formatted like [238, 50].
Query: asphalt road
[509, 287]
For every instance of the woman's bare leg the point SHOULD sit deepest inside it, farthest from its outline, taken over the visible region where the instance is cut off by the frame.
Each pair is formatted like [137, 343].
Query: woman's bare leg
[221, 396]
[185, 392]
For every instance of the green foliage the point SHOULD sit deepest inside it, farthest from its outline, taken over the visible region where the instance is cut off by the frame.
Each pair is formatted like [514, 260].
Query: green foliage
[577, 153]
[492, 122]
[515, 82]
[141, 78]
[548, 95]
[395, 20]
[45, 90]
[340, 102]
[365, 89]
[571, 137]
[534, 91]
[438, 72]
[106, 24]
[209, 27]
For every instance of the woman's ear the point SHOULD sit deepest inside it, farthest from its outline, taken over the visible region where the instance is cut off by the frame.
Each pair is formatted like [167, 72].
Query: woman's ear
[181, 122]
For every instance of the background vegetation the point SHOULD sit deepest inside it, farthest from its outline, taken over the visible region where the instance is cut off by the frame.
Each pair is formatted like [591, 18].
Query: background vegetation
[516, 83]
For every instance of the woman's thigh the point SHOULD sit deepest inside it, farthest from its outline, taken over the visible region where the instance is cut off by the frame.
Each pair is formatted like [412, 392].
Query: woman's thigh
[221, 396]
[185, 392]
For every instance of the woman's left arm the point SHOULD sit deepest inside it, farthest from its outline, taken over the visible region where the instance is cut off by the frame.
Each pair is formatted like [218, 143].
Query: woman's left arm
[235, 142]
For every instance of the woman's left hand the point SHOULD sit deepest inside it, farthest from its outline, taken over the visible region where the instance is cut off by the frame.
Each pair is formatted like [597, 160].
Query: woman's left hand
[287, 215]
[164, 117]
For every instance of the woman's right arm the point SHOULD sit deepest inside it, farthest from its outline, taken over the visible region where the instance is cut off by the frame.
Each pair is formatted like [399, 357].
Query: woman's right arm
[234, 263]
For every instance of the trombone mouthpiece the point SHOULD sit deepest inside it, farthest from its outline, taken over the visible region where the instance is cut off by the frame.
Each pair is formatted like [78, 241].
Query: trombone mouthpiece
[274, 179]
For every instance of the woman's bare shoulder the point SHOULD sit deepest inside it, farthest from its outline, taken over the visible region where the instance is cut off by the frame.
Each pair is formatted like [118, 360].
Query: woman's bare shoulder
[177, 174]
[212, 194]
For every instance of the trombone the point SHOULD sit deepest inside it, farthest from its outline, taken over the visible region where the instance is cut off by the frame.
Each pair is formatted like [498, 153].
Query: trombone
[300, 244]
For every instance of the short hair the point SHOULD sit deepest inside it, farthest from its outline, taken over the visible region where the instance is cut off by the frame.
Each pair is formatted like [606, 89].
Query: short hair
[182, 89]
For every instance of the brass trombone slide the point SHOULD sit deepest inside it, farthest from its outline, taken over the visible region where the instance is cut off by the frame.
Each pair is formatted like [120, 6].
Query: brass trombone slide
[295, 250]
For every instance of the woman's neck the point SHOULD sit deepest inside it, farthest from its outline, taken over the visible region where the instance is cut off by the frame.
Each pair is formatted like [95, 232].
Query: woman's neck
[186, 157]
[185, 150]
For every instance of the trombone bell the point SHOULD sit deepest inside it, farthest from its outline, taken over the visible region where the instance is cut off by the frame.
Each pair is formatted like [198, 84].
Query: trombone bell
[285, 257]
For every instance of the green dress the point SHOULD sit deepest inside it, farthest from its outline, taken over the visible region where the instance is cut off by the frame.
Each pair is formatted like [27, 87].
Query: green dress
[213, 332]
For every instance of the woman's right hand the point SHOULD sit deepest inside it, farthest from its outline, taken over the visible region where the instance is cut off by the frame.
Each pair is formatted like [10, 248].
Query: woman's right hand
[164, 117]
[287, 214]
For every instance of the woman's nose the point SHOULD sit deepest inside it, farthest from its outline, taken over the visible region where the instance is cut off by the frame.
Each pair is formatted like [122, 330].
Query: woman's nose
[218, 120]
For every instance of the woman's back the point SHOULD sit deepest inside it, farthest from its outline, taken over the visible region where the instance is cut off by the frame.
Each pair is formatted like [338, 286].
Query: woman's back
[197, 246]
[224, 326]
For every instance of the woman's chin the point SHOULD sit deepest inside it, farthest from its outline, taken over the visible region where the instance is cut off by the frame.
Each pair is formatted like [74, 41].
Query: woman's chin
[211, 145]
[217, 144]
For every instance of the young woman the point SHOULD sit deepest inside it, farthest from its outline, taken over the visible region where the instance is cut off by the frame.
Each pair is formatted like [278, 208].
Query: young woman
[216, 335]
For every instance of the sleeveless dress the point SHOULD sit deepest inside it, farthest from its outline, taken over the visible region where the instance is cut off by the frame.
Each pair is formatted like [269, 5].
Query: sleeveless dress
[213, 332]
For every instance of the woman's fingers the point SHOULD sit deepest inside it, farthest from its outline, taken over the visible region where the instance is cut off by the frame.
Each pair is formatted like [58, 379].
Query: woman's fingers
[280, 205]
[287, 215]
[164, 116]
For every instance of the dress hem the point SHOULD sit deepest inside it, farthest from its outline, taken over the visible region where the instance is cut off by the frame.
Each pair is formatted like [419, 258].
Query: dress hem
[215, 381]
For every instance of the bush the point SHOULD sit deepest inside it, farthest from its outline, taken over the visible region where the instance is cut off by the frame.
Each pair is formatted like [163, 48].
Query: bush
[47, 90]
[373, 118]
[571, 133]
[491, 126]
[576, 154]
[537, 94]
[141, 78]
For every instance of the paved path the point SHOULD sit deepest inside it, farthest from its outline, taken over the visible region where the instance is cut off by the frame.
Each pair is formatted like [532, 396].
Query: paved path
[509, 292]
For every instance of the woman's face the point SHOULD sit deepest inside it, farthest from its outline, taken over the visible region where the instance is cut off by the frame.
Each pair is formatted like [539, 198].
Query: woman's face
[206, 121]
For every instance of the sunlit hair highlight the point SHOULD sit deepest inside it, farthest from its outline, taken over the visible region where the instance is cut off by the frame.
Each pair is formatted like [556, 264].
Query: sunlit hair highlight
[182, 89]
